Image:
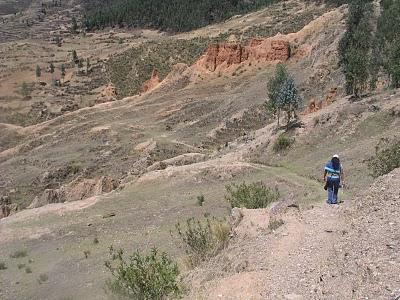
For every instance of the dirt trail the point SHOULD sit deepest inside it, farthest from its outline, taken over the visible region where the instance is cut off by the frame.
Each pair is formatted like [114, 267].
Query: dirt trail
[348, 251]
[283, 264]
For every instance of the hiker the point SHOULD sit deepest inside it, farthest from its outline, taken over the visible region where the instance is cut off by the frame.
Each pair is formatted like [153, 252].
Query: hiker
[333, 178]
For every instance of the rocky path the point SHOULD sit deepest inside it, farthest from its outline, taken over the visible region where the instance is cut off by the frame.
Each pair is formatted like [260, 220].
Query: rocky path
[349, 251]
[283, 264]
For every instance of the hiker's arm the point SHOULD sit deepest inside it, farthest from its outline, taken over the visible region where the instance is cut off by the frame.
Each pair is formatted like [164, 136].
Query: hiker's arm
[325, 175]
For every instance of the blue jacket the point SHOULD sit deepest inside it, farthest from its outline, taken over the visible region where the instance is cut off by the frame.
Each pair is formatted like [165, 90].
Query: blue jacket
[331, 172]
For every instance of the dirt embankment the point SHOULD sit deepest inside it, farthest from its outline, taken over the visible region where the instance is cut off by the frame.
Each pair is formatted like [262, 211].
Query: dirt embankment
[366, 260]
[350, 251]
[221, 56]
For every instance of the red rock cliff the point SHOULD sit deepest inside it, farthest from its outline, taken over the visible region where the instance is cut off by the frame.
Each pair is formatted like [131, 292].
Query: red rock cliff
[260, 50]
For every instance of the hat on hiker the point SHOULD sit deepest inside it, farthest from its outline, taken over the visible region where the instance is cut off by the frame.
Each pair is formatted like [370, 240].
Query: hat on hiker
[335, 156]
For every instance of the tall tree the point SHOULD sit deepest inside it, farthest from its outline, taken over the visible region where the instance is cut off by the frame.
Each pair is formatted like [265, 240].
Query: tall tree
[74, 25]
[289, 99]
[88, 65]
[355, 47]
[283, 95]
[38, 71]
[51, 68]
[274, 85]
[389, 36]
[62, 70]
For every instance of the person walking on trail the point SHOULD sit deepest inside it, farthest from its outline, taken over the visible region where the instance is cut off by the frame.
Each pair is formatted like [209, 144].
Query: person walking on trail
[333, 178]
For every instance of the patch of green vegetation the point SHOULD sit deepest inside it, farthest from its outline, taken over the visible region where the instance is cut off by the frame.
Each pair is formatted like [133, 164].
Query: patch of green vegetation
[178, 15]
[19, 254]
[26, 90]
[287, 25]
[200, 200]
[386, 158]
[3, 265]
[20, 266]
[254, 195]
[283, 142]
[388, 44]
[152, 276]
[274, 224]
[374, 125]
[202, 240]
[355, 47]
[28, 270]
[129, 70]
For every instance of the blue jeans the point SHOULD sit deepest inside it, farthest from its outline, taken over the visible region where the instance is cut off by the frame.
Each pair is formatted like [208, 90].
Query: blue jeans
[333, 190]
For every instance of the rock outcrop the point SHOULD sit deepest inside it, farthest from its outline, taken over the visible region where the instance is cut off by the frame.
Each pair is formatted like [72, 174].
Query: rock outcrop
[151, 83]
[78, 189]
[314, 105]
[259, 50]
[6, 207]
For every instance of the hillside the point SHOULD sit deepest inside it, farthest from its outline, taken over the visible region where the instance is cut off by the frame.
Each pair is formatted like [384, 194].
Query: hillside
[119, 152]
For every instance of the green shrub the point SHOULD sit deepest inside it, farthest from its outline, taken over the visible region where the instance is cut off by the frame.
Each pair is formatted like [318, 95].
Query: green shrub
[21, 266]
[19, 254]
[3, 265]
[28, 270]
[252, 196]
[283, 142]
[43, 278]
[274, 224]
[200, 200]
[86, 253]
[130, 69]
[386, 159]
[96, 241]
[203, 240]
[143, 277]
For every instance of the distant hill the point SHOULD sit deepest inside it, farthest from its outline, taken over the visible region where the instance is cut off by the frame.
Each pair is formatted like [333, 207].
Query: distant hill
[175, 15]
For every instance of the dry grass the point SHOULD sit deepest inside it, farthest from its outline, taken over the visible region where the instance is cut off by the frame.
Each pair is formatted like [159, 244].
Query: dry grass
[202, 240]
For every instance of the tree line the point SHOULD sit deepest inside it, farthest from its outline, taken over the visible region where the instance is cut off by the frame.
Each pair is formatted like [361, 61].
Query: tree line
[370, 48]
[172, 15]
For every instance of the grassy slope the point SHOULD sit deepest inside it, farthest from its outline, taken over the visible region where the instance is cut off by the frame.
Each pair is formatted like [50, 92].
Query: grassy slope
[129, 70]
[145, 215]
[144, 218]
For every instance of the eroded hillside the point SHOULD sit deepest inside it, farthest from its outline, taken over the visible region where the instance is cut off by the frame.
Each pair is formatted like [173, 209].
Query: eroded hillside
[125, 171]
[194, 110]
